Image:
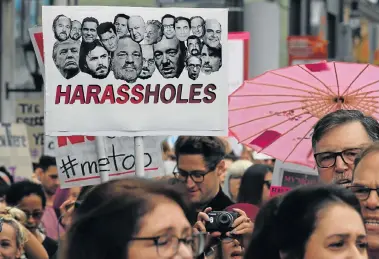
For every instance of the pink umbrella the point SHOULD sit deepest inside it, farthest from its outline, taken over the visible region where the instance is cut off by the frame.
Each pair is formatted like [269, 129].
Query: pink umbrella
[275, 112]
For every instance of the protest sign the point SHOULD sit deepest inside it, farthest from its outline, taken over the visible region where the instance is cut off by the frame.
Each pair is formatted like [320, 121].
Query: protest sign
[36, 37]
[287, 176]
[238, 62]
[157, 80]
[79, 164]
[30, 112]
[14, 150]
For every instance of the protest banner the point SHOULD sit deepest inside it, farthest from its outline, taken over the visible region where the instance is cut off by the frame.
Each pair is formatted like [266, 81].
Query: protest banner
[287, 176]
[238, 62]
[155, 81]
[14, 150]
[30, 112]
[79, 164]
[36, 37]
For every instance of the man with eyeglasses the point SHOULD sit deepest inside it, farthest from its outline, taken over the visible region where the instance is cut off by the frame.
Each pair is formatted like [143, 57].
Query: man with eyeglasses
[337, 140]
[199, 165]
[168, 24]
[366, 188]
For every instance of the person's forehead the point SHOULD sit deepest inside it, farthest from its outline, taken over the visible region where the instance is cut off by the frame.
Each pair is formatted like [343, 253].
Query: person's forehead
[147, 50]
[367, 169]
[182, 23]
[168, 20]
[108, 34]
[52, 169]
[192, 41]
[194, 60]
[212, 24]
[121, 20]
[63, 19]
[196, 20]
[127, 44]
[76, 24]
[344, 136]
[135, 20]
[97, 51]
[67, 45]
[166, 43]
[89, 24]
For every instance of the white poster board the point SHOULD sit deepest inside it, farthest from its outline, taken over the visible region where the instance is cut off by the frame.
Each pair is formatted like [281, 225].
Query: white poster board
[30, 112]
[179, 89]
[14, 150]
[79, 165]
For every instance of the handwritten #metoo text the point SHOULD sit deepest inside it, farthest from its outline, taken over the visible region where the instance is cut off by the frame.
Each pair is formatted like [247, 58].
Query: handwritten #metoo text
[166, 94]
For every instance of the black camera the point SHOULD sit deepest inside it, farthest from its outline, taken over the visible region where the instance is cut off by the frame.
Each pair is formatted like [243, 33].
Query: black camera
[221, 221]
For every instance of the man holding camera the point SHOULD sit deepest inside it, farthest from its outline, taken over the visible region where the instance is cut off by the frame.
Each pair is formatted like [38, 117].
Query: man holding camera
[199, 165]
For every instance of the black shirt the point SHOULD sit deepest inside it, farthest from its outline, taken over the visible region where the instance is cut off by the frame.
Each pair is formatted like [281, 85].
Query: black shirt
[50, 245]
[218, 203]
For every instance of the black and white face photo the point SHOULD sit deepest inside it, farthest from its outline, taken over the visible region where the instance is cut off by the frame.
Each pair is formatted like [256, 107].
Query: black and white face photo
[193, 65]
[197, 26]
[168, 57]
[153, 32]
[61, 27]
[212, 35]
[107, 35]
[168, 24]
[193, 45]
[127, 60]
[89, 27]
[137, 47]
[137, 28]
[182, 28]
[148, 65]
[211, 58]
[66, 57]
[96, 60]
[121, 24]
[76, 31]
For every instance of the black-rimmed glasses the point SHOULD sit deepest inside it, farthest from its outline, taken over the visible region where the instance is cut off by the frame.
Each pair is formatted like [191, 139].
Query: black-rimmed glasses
[362, 192]
[168, 245]
[197, 176]
[328, 159]
[267, 183]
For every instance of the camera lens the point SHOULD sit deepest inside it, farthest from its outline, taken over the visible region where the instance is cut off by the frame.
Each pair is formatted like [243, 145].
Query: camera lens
[224, 219]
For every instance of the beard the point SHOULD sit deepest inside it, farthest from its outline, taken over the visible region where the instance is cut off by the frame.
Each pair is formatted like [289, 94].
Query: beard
[123, 74]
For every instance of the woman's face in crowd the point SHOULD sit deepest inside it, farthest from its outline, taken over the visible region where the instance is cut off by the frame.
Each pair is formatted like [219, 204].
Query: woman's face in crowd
[266, 187]
[74, 193]
[232, 249]
[166, 220]
[339, 234]
[32, 206]
[8, 245]
[366, 174]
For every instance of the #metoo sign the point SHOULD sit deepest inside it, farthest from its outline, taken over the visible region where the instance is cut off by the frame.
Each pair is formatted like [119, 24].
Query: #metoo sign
[125, 71]
[79, 165]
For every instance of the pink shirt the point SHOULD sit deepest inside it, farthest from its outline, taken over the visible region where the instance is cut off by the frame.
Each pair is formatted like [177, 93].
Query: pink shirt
[51, 224]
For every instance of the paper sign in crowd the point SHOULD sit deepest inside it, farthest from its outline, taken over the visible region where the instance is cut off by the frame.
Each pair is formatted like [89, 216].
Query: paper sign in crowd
[287, 176]
[30, 112]
[79, 165]
[14, 150]
[160, 77]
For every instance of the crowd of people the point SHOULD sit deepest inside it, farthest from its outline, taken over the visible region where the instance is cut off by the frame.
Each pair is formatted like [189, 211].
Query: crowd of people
[214, 204]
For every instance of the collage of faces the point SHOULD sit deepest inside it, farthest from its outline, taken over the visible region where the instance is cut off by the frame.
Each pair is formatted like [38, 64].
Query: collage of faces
[133, 48]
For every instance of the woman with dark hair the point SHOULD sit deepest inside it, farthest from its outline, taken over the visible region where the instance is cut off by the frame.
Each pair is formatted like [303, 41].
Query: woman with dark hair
[255, 185]
[132, 219]
[311, 222]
